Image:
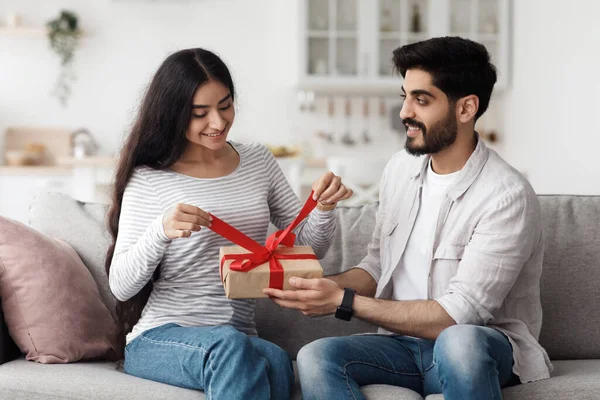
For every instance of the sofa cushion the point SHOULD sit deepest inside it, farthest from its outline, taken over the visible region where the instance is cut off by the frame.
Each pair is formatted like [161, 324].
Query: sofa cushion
[355, 227]
[20, 379]
[49, 300]
[82, 225]
[571, 379]
[569, 284]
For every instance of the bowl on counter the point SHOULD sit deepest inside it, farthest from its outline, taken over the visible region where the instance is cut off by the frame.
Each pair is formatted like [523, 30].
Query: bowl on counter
[16, 158]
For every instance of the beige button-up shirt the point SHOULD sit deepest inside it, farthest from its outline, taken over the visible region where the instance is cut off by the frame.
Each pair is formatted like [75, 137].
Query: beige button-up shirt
[487, 249]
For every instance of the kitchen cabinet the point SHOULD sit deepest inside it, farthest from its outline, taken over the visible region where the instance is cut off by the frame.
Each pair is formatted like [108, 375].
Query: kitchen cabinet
[346, 45]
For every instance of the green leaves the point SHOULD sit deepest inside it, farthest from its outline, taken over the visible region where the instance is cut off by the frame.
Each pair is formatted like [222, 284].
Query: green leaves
[64, 36]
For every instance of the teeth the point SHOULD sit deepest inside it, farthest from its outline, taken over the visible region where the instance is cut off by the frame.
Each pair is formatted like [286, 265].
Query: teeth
[413, 128]
[212, 134]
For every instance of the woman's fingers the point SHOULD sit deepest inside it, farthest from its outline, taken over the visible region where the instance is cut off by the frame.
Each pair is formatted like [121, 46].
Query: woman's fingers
[179, 234]
[186, 226]
[192, 218]
[342, 194]
[333, 187]
[322, 184]
[187, 212]
[183, 219]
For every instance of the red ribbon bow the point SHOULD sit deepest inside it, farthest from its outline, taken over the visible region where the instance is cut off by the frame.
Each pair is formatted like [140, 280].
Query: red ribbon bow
[261, 254]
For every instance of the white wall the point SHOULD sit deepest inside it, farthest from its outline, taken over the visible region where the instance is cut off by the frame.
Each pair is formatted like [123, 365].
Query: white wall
[551, 112]
[125, 43]
[546, 120]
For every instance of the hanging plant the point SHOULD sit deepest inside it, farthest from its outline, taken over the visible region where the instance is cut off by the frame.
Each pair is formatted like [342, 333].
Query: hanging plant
[64, 36]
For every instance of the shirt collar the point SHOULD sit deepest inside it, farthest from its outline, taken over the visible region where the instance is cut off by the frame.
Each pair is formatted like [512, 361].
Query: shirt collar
[466, 176]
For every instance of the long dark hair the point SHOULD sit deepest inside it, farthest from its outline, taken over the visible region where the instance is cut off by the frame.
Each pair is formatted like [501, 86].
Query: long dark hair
[158, 140]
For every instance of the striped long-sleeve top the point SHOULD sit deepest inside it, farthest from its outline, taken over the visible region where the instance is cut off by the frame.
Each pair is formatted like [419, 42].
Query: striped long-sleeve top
[189, 291]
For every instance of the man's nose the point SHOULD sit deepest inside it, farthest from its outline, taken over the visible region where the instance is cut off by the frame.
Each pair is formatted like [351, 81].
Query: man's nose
[406, 111]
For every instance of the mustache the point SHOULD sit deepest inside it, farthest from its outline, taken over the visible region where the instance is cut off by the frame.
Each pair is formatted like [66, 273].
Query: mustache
[410, 121]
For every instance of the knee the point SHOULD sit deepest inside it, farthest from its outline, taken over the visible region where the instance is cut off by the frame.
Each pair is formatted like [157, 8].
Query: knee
[226, 333]
[460, 348]
[317, 355]
[227, 339]
[279, 359]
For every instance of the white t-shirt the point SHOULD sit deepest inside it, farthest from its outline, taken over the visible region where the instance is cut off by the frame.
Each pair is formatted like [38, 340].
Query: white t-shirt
[410, 275]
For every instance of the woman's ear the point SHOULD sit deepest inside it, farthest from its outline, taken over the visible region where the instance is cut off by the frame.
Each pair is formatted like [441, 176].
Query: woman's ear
[467, 108]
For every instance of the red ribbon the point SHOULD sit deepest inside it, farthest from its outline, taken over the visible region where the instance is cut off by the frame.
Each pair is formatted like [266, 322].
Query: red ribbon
[261, 254]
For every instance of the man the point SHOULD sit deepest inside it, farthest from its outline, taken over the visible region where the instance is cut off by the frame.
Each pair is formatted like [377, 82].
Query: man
[452, 273]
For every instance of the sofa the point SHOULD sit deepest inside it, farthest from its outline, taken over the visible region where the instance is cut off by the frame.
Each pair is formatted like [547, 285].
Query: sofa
[569, 292]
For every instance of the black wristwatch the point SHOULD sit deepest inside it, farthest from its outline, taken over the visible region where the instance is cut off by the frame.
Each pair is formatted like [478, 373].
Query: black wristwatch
[344, 310]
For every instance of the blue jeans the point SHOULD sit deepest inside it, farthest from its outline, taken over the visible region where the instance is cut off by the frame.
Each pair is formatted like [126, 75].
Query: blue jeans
[465, 362]
[220, 360]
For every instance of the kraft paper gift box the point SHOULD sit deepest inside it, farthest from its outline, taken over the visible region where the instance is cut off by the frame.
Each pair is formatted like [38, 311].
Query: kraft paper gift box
[250, 284]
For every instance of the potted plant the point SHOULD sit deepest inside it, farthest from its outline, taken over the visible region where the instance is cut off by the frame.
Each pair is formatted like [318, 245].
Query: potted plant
[64, 35]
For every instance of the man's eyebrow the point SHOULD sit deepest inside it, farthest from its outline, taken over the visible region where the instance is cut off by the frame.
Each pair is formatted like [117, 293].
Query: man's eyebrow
[418, 92]
[224, 99]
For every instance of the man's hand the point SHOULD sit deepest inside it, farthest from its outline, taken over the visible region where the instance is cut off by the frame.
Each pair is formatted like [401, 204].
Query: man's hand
[314, 296]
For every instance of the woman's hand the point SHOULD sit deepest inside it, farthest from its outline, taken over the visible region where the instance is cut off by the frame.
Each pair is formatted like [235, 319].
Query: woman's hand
[329, 189]
[183, 219]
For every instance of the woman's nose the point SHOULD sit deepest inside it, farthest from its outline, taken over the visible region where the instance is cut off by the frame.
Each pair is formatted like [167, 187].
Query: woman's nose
[216, 121]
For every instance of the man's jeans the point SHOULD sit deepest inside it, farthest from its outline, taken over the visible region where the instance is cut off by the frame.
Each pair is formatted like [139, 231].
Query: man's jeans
[465, 362]
[220, 360]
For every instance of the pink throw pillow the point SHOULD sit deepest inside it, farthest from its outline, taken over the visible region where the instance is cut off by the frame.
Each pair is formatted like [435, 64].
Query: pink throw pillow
[50, 301]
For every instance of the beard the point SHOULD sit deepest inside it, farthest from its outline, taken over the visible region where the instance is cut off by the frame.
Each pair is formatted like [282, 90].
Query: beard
[440, 136]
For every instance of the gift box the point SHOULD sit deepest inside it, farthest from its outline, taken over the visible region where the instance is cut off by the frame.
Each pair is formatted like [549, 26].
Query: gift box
[249, 267]
[250, 284]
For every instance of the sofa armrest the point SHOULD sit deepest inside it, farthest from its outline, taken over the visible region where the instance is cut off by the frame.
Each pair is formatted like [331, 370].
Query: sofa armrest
[8, 349]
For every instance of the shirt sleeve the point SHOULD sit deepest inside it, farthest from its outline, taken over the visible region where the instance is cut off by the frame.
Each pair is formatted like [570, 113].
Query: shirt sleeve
[316, 230]
[504, 239]
[141, 240]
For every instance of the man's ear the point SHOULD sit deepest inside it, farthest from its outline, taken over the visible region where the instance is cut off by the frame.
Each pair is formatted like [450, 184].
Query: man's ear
[467, 108]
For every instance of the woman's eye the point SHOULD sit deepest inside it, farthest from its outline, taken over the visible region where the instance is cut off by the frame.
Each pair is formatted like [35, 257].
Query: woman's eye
[199, 115]
[225, 108]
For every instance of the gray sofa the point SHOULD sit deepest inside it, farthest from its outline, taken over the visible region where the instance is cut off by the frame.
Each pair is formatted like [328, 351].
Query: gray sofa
[570, 296]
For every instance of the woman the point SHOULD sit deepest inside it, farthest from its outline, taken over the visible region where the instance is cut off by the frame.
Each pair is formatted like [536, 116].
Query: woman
[175, 168]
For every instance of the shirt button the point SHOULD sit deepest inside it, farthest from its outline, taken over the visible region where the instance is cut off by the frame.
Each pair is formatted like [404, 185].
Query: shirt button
[445, 195]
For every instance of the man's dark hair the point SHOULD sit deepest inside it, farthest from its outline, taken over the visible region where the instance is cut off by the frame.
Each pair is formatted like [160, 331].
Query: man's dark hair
[459, 67]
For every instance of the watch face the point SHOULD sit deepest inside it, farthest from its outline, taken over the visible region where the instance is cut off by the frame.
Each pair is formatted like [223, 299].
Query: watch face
[344, 314]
